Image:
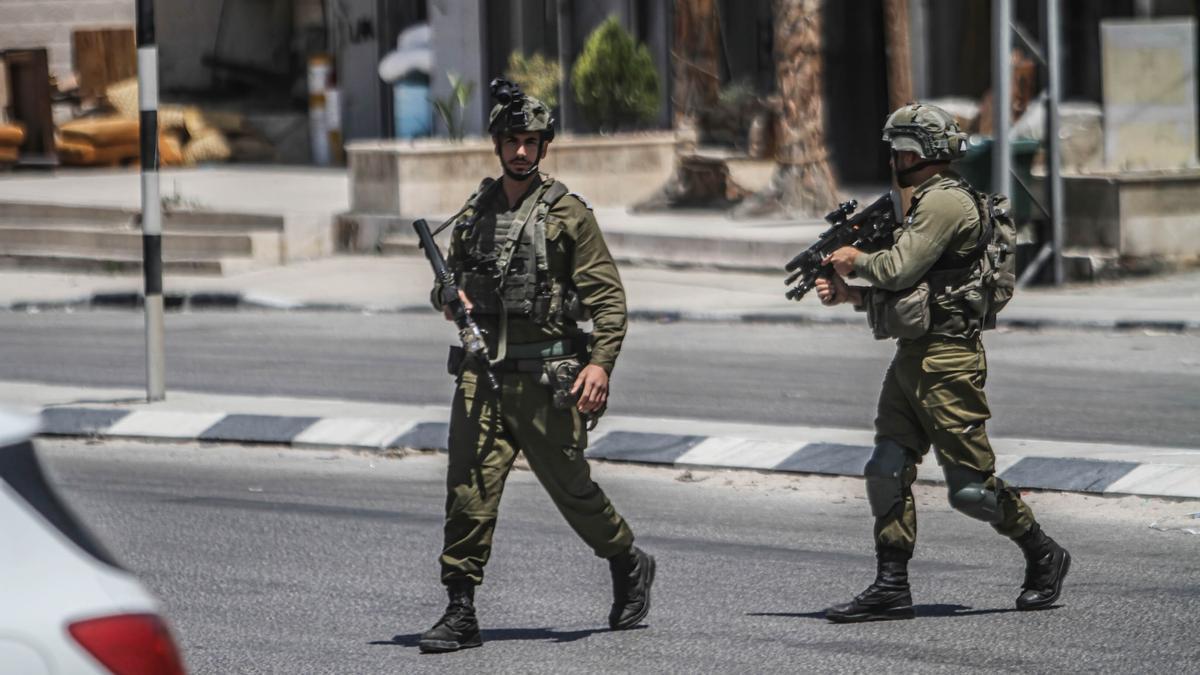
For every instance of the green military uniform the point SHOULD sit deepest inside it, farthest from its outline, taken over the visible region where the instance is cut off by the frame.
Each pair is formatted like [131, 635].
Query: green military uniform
[532, 271]
[488, 429]
[936, 289]
[933, 390]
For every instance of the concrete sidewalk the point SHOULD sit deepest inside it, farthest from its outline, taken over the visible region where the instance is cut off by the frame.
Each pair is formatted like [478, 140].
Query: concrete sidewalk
[401, 283]
[659, 291]
[683, 443]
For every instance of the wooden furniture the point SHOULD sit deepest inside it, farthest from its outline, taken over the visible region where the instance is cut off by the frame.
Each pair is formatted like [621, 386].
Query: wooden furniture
[28, 74]
[102, 57]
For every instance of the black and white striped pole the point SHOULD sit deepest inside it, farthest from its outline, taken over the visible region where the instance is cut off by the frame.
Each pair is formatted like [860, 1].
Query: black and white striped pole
[147, 57]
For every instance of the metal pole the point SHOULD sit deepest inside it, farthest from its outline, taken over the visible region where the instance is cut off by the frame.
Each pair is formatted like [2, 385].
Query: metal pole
[1053, 145]
[151, 203]
[564, 54]
[1001, 96]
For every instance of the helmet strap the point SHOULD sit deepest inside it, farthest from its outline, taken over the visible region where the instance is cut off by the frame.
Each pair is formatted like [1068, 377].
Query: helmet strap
[522, 175]
[900, 173]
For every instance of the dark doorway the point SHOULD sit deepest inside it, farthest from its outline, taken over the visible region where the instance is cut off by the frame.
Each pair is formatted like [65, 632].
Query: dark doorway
[856, 95]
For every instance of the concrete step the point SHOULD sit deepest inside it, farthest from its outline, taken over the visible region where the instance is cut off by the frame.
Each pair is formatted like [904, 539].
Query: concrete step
[35, 214]
[212, 221]
[77, 240]
[59, 261]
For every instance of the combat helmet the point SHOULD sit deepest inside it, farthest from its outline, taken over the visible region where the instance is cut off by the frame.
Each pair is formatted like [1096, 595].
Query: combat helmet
[926, 130]
[515, 111]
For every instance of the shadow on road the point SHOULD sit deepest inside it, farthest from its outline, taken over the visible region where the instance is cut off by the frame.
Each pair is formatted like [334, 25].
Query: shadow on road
[923, 611]
[505, 634]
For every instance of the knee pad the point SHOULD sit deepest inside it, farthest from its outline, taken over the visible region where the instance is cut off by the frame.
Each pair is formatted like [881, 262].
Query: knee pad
[885, 474]
[971, 493]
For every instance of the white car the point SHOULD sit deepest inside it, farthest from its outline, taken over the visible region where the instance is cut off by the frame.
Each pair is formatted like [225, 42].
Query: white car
[66, 606]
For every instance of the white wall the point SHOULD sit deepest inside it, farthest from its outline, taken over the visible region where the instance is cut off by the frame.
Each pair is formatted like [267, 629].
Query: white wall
[48, 23]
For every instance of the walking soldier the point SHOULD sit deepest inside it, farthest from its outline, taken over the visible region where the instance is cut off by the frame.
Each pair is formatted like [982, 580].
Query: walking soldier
[941, 283]
[531, 263]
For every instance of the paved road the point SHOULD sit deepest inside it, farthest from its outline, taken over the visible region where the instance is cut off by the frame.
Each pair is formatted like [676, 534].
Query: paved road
[280, 561]
[1106, 387]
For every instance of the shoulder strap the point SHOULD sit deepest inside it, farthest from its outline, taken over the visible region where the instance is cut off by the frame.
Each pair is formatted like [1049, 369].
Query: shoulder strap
[484, 190]
[549, 198]
[555, 192]
[521, 221]
[950, 260]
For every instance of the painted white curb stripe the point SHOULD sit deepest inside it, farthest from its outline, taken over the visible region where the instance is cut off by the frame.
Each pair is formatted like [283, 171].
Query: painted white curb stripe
[739, 452]
[352, 432]
[1159, 479]
[164, 424]
[1113, 469]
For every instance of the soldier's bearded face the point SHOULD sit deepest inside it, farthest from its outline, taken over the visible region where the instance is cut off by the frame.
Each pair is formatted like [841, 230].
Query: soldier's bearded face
[520, 152]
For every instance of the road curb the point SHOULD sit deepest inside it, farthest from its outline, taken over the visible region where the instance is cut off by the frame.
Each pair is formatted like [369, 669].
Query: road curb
[820, 456]
[221, 300]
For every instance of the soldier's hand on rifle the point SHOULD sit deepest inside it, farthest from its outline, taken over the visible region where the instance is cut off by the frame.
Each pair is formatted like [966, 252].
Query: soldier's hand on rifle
[592, 388]
[832, 291]
[466, 303]
[842, 260]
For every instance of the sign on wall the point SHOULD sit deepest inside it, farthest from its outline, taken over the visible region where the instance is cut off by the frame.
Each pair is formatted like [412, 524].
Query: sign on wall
[1149, 70]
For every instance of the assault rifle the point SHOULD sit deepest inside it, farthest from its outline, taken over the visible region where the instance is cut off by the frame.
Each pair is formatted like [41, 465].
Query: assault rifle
[468, 331]
[870, 230]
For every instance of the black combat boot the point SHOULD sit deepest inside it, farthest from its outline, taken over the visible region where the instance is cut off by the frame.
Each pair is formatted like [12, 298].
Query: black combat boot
[632, 574]
[887, 599]
[1046, 564]
[457, 629]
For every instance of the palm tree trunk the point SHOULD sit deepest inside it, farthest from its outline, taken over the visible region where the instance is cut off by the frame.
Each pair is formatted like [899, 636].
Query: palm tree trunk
[698, 182]
[899, 57]
[695, 58]
[803, 184]
[899, 70]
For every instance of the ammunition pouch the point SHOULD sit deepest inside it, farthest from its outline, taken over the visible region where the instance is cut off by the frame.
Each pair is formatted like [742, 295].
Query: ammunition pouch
[960, 305]
[903, 314]
[455, 360]
[522, 297]
[559, 375]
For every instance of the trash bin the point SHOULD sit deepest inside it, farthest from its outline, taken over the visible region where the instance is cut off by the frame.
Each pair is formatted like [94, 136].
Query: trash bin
[976, 167]
[412, 109]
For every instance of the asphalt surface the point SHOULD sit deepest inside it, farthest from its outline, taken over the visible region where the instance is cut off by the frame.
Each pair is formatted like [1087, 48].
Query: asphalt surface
[1139, 388]
[281, 561]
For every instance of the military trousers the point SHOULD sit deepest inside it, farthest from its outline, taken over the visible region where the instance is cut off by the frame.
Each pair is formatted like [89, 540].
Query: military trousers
[487, 430]
[933, 395]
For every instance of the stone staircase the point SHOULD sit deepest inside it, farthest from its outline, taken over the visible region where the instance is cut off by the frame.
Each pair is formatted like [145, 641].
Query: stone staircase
[110, 239]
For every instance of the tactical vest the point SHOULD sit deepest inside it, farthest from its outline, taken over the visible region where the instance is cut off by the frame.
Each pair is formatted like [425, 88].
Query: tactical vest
[505, 267]
[967, 290]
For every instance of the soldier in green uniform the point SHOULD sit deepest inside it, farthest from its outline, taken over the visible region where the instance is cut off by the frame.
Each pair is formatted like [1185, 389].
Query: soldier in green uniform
[531, 263]
[933, 391]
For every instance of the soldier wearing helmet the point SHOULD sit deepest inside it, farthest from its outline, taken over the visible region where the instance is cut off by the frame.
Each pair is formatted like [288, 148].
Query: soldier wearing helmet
[531, 263]
[933, 391]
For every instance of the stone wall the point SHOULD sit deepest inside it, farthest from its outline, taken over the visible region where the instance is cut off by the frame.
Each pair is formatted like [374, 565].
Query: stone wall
[426, 179]
[1149, 215]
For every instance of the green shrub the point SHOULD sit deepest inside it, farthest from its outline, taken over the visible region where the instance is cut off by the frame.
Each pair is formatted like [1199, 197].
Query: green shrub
[537, 75]
[451, 108]
[614, 79]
